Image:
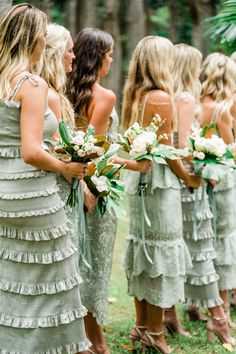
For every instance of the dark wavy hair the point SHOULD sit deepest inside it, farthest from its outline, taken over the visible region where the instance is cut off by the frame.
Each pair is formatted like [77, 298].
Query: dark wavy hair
[91, 45]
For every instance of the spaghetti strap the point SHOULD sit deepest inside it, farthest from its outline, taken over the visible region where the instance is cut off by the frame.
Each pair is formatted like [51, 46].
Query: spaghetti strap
[143, 108]
[27, 76]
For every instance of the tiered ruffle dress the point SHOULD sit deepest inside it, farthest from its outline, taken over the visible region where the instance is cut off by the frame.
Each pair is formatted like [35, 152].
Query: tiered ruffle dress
[102, 233]
[160, 283]
[201, 287]
[225, 241]
[225, 216]
[40, 306]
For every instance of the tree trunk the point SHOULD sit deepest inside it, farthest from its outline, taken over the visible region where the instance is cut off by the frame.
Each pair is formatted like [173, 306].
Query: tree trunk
[174, 17]
[71, 17]
[200, 10]
[136, 24]
[86, 14]
[111, 25]
[4, 5]
[44, 5]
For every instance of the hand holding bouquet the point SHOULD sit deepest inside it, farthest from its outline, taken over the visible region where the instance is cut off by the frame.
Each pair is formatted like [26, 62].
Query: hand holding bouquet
[79, 146]
[102, 180]
[209, 152]
[143, 143]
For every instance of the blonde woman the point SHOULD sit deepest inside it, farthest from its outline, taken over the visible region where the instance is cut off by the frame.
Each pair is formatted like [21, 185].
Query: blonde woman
[160, 284]
[218, 83]
[56, 62]
[40, 307]
[201, 287]
[94, 104]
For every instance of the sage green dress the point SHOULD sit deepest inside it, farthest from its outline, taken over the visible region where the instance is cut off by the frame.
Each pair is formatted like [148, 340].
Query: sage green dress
[40, 306]
[225, 217]
[225, 241]
[160, 281]
[101, 234]
[201, 287]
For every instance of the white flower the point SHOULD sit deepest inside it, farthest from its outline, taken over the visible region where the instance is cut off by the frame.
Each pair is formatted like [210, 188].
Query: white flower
[138, 148]
[100, 183]
[148, 137]
[81, 153]
[199, 155]
[200, 144]
[136, 126]
[65, 158]
[100, 151]
[78, 139]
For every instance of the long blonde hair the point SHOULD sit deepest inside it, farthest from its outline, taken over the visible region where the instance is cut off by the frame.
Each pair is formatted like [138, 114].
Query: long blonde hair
[51, 67]
[20, 30]
[218, 78]
[187, 66]
[150, 69]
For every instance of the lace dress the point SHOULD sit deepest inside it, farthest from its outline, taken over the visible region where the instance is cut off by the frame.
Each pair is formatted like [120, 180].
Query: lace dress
[40, 306]
[160, 283]
[201, 287]
[102, 232]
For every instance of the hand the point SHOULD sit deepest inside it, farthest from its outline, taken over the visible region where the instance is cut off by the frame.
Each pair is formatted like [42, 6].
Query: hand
[75, 169]
[143, 165]
[193, 181]
[213, 182]
[89, 200]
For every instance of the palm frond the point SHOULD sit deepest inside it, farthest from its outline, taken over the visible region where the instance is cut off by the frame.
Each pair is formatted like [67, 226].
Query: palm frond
[222, 27]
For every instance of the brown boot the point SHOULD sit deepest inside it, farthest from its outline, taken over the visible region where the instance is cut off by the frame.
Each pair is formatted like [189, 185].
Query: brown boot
[173, 324]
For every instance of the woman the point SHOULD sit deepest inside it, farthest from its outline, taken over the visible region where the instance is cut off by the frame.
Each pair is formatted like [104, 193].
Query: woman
[201, 287]
[55, 64]
[94, 105]
[160, 284]
[218, 84]
[40, 306]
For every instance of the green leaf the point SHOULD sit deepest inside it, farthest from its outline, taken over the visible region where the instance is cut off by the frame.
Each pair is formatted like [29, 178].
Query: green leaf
[160, 160]
[101, 165]
[64, 133]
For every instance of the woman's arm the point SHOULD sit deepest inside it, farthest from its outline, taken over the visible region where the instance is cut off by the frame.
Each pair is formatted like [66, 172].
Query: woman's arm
[225, 127]
[163, 107]
[33, 104]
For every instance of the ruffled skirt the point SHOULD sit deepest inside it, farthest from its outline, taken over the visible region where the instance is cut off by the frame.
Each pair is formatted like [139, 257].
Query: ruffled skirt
[161, 282]
[40, 307]
[201, 287]
[225, 241]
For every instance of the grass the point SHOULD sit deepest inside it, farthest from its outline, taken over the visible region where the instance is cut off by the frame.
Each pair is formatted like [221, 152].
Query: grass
[122, 315]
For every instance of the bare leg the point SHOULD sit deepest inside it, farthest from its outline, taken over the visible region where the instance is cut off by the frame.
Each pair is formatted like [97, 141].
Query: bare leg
[155, 318]
[141, 312]
[224, 295]
[173, 323]
[154, 336]
[95, 335]
[218, 324]
[141, 320]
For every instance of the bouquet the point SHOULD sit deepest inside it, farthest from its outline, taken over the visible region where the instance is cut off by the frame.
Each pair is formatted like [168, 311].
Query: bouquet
[79, 146]
[210, 152]
[143, 143]
[102, 180]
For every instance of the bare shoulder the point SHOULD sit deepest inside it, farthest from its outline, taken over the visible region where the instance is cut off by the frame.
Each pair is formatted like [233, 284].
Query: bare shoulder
[185, 98]
[100, 92]
[159, 97]
[33, 85]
